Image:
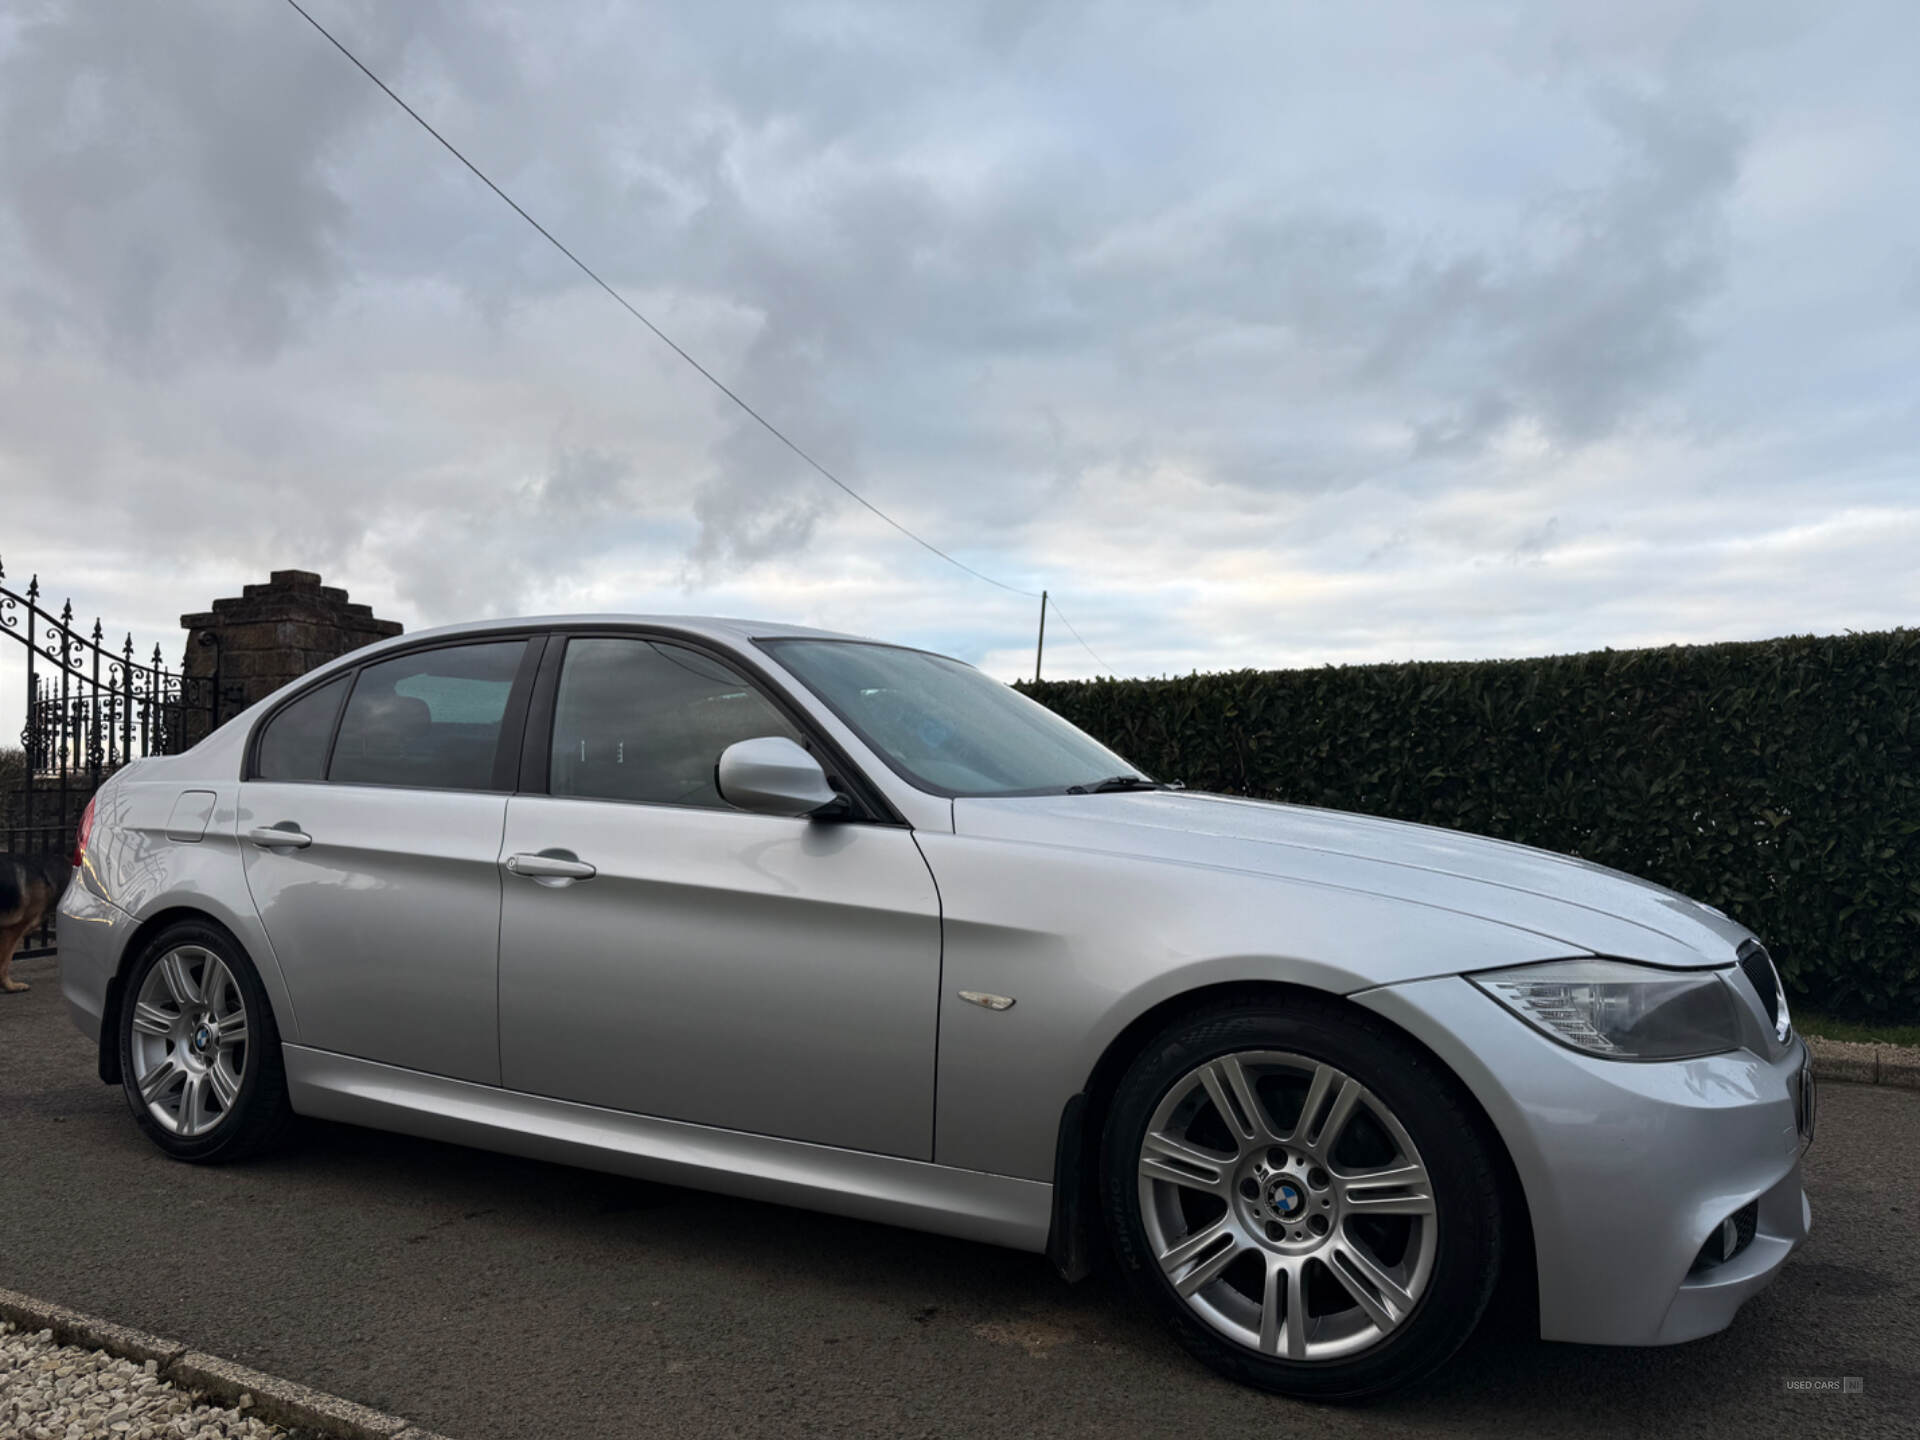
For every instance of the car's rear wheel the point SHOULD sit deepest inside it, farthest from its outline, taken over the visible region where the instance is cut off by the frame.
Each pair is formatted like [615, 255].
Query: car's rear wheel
[199, 1052]
[1304, 1196]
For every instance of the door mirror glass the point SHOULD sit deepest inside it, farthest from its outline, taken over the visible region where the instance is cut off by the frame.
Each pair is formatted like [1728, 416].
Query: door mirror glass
[772, 776]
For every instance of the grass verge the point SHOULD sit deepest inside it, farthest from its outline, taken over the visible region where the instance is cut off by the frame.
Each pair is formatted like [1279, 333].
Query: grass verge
[1871, 1034]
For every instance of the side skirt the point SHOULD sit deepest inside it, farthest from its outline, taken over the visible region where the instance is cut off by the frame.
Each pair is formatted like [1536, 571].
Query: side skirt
[996, 1209]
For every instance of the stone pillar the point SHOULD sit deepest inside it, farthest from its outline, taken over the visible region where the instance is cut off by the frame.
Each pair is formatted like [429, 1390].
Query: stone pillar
[271, 634]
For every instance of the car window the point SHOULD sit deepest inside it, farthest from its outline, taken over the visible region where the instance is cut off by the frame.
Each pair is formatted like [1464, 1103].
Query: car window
[945, 726]
[639, 720]
[430, 720]
[293, 746]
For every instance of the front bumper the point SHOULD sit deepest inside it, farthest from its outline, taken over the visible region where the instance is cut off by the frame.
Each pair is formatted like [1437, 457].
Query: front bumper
[1628, 1169]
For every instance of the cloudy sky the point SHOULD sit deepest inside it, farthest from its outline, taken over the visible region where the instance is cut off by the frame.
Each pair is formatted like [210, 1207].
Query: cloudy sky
[1260, 334]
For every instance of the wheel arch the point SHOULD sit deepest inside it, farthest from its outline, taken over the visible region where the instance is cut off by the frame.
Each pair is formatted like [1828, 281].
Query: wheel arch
[1073, 1241]
[136, 944]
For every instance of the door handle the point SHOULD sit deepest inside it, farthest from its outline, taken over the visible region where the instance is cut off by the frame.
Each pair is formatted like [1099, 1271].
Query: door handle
[284, 836]
[550, 867]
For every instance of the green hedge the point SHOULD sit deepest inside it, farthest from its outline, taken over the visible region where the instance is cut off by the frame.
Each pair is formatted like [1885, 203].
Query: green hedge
[1778, 780]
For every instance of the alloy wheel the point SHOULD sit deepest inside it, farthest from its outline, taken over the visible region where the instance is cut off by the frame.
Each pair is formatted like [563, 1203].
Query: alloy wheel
[1287, 1206]
[189, 1040]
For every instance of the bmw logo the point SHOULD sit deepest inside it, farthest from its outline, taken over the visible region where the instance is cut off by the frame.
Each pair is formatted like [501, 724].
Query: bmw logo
[1287, 1198]
[200, 1038]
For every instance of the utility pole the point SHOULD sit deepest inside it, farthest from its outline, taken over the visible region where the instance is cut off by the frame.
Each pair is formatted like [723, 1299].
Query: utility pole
[1041, 648]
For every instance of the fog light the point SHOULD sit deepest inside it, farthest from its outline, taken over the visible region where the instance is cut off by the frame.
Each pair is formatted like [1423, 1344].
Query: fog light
[1729, 1238]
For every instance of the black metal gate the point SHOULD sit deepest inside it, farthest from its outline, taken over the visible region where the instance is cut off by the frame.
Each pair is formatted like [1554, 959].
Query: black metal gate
[89, 710]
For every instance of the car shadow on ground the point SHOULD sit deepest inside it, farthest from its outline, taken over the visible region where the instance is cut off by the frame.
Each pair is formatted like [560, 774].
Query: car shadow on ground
[466, 1287]
[1007, 1297]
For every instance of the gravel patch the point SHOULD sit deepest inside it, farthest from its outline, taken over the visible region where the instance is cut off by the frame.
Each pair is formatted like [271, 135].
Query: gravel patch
[50, 1391]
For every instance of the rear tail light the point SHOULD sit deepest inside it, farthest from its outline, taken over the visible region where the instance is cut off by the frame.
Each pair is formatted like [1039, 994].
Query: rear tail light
[82, 835]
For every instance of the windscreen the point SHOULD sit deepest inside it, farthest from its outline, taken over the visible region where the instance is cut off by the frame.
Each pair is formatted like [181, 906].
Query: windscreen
[945, 726]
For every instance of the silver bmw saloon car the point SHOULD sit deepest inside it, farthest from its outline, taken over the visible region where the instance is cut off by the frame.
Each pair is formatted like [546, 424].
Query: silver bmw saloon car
[812, 919]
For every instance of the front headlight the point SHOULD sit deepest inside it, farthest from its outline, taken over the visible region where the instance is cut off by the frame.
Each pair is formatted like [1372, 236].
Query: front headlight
[1618, 1010]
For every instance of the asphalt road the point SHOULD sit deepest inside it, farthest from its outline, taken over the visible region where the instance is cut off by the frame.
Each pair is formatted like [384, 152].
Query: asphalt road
[491, 1297]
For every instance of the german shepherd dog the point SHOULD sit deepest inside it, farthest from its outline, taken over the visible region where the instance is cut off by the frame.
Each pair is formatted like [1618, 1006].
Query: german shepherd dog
[30, 886]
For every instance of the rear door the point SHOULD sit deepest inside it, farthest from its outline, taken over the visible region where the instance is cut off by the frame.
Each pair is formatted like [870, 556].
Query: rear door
[774, 975]
[371, 829]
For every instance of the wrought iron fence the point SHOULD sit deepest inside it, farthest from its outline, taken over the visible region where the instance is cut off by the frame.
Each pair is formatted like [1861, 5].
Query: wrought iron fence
[89, 710]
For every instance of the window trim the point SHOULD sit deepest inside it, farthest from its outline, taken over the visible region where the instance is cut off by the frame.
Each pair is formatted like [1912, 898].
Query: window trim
[536, 704]
[870, 803]
[513, 724]
[512, 719]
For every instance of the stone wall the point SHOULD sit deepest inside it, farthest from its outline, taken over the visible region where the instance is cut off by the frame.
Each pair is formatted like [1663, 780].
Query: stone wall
[273, 633]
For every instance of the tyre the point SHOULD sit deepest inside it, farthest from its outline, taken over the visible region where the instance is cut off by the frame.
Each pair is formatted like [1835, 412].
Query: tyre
[1304, 1196]
[199, 1052]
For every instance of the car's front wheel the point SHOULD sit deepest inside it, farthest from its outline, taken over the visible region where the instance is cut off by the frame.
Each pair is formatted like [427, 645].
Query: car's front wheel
[1305, 1197]
[199, 1051]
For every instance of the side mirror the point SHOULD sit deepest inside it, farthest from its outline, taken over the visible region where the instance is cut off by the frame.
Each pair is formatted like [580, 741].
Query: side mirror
[772, 776]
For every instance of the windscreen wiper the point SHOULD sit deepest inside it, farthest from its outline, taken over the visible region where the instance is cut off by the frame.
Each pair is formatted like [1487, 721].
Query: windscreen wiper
[1119, 782]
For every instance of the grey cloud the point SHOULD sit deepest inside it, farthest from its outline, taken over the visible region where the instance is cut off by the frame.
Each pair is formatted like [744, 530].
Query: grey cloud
[1609, 322]
[1573, 326]
[1232, 302]
[1465, 430]
[586, 482]
[1534, 546]
[762, 500]
[166, 166]
[492, 549]
[1574, 329]
[139, 169]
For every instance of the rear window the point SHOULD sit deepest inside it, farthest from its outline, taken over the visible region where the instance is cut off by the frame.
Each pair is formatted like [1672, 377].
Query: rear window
[430, 720]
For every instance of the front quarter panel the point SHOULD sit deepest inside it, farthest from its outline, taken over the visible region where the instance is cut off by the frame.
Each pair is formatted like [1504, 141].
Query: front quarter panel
[1085, 943]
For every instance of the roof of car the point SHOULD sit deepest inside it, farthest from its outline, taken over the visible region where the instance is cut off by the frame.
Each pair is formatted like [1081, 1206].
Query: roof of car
[713, 626]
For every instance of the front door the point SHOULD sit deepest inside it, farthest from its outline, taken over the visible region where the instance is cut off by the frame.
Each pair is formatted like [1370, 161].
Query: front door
[773, 975]
[382, 900]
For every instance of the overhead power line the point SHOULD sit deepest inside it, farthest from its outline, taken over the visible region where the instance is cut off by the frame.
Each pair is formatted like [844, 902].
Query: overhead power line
[624, 303]
[663, 337]
[1054, 605]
